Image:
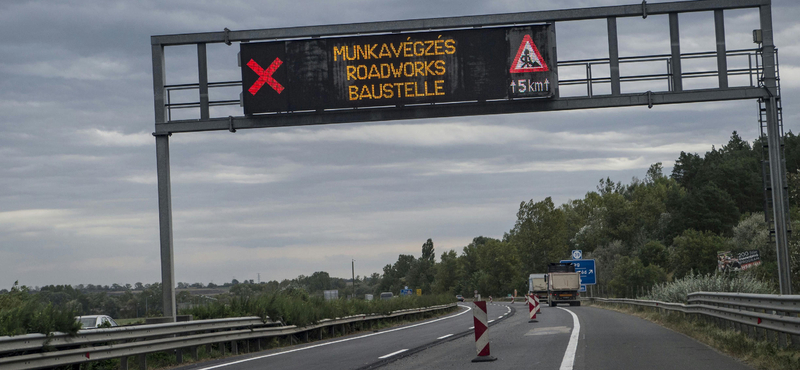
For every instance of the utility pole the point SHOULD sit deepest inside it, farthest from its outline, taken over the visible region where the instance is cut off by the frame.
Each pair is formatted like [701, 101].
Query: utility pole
[353, 266]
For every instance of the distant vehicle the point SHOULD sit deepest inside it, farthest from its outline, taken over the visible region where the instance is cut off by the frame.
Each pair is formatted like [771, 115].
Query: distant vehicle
[96, 321]
[537, 284]
[460, 298]
[563, 284]
[387, 295]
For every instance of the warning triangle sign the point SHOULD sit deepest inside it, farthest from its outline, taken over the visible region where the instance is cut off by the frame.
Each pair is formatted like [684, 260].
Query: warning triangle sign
[528, 58]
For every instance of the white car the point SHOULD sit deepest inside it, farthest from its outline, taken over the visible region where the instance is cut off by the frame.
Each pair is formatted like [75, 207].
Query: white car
[95, 321]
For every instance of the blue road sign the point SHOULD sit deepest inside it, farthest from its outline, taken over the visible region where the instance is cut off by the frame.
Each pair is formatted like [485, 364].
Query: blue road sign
[577, 254]
[587, 270]
[583, 289]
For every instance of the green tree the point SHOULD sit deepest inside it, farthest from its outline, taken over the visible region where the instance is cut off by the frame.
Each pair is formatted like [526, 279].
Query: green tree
[695, 251]
[654, 253]
[539, 235]
[632, 277]
[501, 267]
[446, 273]
[421, 273]
[394, 276]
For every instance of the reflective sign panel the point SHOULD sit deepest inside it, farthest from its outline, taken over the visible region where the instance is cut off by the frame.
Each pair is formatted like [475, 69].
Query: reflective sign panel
[398, 69]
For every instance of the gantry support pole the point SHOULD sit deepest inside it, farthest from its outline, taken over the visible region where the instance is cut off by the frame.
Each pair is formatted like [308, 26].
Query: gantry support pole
[776, 165]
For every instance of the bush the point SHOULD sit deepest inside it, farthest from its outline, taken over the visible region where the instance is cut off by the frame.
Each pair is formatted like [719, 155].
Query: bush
[295, 307]
[678, 290]
[23, 313]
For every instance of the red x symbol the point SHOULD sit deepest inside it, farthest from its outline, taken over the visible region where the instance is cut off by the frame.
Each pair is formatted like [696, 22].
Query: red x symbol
[265, 76]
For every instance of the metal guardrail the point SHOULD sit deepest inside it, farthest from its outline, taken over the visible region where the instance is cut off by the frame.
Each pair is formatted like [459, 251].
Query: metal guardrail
[761, 316]
[29, 342]
[102, 344]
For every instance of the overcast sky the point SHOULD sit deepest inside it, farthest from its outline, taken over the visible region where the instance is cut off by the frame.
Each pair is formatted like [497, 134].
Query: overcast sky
[78, 194]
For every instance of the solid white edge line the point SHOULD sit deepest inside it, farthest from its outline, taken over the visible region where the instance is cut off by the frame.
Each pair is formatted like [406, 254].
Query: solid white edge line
[334, 342]
[569, 356]
[393, 353]
[445, 336]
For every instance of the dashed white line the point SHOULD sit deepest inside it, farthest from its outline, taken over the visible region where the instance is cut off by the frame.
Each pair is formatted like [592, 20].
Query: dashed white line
[393, 353]
[445, 336]
[500, 317]
[491, 320]
[471, 327]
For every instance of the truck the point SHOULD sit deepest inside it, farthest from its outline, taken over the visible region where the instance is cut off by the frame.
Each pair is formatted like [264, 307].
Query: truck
[563, 284]
[537, 284]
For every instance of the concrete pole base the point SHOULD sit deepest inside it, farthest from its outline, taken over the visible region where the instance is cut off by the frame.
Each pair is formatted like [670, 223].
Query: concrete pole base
[484, 359]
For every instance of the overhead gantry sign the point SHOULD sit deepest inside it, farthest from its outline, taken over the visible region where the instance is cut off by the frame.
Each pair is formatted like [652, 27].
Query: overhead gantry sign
[399, 69]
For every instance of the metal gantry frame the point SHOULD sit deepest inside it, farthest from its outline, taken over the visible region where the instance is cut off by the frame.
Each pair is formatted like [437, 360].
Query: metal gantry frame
[765, 89]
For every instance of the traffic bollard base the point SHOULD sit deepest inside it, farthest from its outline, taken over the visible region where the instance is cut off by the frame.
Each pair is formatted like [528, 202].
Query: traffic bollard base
[484, 359]
[533, 320]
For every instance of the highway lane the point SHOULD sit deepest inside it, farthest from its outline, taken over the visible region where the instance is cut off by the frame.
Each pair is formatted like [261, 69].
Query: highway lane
[359, 350]
[516, 343]
[606, 340]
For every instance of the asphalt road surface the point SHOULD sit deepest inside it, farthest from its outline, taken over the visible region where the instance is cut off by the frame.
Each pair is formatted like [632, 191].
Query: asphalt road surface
[360, 350]
[563, 338]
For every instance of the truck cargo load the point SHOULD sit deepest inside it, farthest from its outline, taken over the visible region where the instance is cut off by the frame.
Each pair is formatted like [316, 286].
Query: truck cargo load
[565, 281]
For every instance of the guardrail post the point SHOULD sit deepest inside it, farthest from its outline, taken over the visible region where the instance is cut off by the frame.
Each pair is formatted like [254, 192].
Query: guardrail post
[143, 362]
[234, 348]
[123, 363]
[195, 353]
[179, 355]
[208, 349]
[222, 348]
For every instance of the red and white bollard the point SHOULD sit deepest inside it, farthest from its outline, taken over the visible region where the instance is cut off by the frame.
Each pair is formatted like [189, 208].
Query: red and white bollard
[532, 308]
[481, 319]
[538, 306]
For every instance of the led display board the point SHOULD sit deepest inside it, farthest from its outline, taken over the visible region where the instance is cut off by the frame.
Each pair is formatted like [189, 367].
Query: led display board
[399, 69]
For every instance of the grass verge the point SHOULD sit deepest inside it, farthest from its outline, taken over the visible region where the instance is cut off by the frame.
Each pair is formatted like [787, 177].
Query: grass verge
[765, 355]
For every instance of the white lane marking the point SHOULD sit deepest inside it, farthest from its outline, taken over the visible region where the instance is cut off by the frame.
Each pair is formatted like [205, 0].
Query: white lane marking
[393, 353]
[337, 341]
[445, 336]
[569, 356]
[470, 328]
[500, 317]
[491, 320]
